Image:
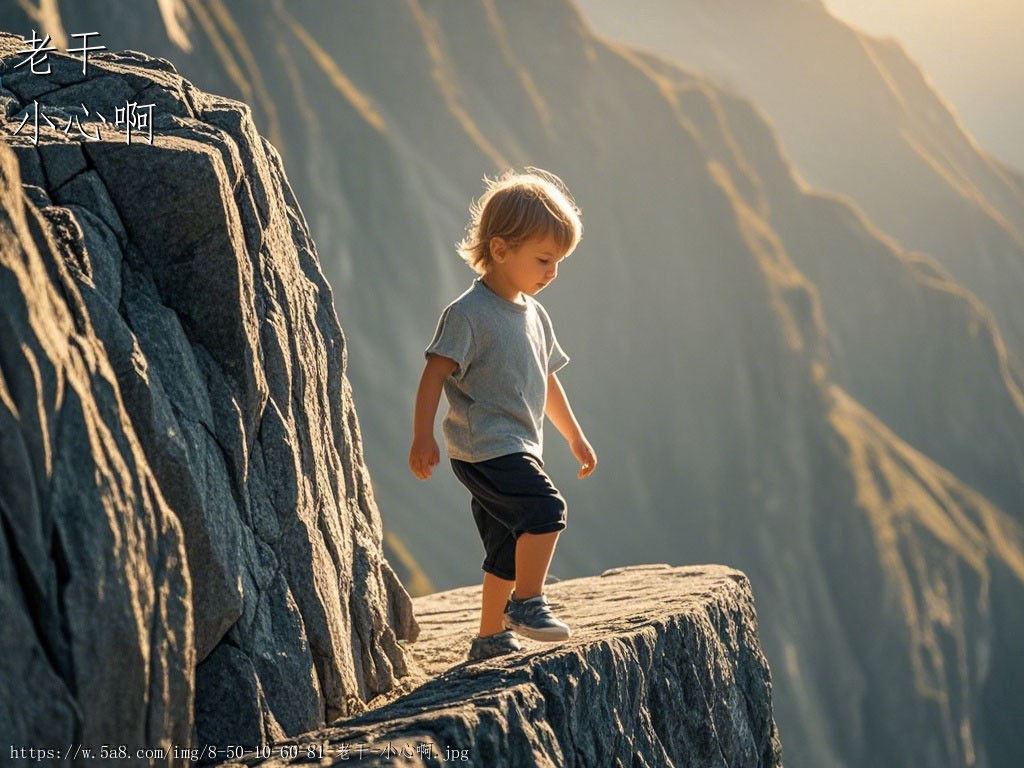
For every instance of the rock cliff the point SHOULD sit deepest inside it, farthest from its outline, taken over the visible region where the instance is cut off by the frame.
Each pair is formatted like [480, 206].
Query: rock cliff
[187, 520]
[664, 668]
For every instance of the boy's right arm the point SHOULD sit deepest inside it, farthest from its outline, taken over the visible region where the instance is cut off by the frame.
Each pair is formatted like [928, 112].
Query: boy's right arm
[425, 454]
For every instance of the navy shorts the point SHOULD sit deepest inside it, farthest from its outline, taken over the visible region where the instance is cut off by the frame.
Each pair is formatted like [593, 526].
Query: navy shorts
[512, 495]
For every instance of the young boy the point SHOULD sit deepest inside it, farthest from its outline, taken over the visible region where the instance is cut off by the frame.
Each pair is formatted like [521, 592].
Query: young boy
[495, 356]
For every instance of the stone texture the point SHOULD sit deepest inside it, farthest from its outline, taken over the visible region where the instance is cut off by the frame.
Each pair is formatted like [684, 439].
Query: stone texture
[664, 669]
[96, 636]
[184, 498]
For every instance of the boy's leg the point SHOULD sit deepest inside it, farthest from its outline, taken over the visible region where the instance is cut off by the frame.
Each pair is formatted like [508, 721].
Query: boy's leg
[533, 558]
[496, 592]
[513, 493]
[528, 613]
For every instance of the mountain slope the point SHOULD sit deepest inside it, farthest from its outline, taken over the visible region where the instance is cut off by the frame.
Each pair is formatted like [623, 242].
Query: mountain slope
[859, 118]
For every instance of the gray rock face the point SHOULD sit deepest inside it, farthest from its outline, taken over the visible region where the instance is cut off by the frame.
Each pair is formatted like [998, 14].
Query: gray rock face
[186, 512]
[96, 628]
[664, 669]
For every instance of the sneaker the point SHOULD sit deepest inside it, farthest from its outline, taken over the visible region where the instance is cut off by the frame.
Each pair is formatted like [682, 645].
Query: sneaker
[532, 618]
[493, 645]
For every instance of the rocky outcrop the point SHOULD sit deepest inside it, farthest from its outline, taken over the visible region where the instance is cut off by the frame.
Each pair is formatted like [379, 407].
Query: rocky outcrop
[664, 668]
[187, 517]
[96, 635]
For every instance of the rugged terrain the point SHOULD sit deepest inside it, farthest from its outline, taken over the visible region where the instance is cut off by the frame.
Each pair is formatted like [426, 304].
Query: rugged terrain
[664, 668]
[774, 376]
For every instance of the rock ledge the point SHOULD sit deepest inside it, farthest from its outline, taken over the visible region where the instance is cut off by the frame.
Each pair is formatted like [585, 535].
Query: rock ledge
[665, 668]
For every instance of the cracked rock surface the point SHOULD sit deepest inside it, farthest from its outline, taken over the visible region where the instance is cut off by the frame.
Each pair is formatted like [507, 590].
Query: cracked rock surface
[187, 520]
[664, 669]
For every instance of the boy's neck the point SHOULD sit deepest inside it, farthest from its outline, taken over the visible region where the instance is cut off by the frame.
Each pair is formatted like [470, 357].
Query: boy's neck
[494, 281]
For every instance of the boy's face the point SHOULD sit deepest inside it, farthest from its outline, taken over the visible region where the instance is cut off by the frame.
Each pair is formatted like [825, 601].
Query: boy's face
[529, 267]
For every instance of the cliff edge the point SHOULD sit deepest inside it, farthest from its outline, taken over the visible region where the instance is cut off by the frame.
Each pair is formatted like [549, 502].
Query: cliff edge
[664, 668]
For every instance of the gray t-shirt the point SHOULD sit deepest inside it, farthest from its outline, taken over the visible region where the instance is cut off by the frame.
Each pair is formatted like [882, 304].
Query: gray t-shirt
[505, 352]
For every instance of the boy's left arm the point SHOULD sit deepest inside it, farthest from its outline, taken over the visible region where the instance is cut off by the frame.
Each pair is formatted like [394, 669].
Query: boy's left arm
[561, 415]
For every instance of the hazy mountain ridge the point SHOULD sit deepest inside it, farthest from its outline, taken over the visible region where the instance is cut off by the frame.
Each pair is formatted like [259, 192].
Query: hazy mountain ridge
[859, 118]
[856, 271]
[969, 52]
[945, 555]
[722, 440]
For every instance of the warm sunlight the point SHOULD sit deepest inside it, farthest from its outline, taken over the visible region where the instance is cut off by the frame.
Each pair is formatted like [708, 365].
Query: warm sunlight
[970, 50]
[308, 353]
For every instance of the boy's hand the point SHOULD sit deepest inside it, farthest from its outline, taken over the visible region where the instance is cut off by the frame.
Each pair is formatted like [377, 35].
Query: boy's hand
[424, 456]
[584, 455]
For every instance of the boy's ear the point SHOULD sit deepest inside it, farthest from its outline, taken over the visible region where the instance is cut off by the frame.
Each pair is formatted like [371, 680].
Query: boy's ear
[498, 248]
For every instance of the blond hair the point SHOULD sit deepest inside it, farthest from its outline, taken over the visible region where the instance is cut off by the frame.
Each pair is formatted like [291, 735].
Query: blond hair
[516, 207]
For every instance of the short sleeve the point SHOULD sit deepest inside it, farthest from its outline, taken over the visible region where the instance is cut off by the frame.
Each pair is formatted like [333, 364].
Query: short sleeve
[557, 359]
[453, 339]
